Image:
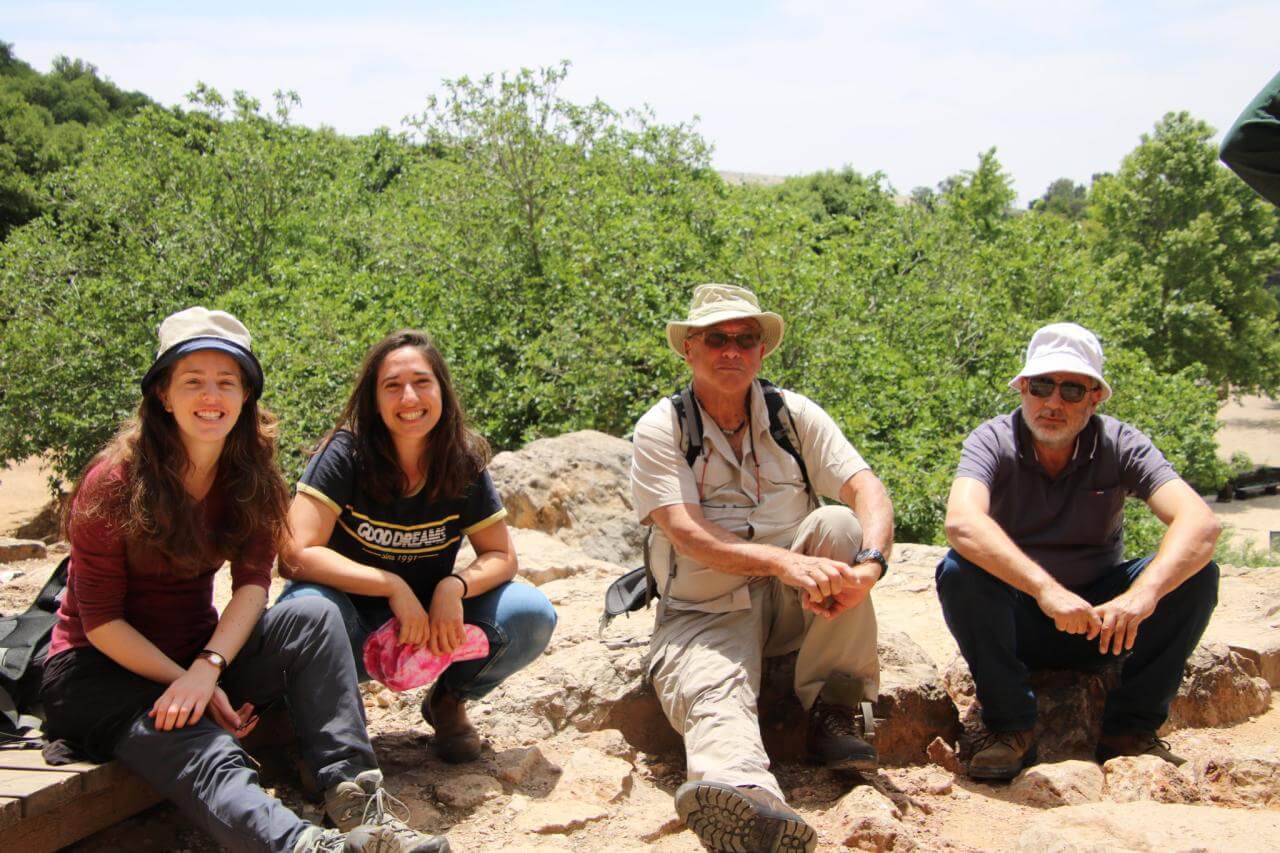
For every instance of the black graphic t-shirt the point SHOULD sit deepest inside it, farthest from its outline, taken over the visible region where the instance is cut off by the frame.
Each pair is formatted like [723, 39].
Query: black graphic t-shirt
[410, 536]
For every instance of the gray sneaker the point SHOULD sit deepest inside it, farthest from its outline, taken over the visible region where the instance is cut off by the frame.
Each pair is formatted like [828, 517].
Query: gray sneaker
[316, 840]
[363, 809]
[345, 802]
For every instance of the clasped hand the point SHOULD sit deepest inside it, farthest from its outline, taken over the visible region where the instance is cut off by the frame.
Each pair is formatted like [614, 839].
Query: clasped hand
[441, 629]
[1113, 623]
[830, 587]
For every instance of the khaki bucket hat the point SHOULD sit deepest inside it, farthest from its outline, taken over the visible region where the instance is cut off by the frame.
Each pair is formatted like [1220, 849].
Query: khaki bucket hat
[716, 303]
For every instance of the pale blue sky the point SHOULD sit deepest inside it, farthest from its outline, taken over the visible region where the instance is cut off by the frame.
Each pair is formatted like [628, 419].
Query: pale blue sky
[913, 88]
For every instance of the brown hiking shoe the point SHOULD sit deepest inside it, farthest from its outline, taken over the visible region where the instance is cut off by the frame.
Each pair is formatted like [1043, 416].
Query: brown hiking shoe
[1001, 755]
[837, 738]
[742, 819]
[1135, 743]
[456, 740]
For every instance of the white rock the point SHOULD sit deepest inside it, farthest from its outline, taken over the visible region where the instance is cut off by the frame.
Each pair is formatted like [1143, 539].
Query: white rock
[1062, 784]
[1145, 826]
[1146, 777]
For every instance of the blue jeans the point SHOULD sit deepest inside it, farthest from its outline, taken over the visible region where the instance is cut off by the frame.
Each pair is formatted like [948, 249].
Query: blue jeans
[1003, 635]
[516, 617]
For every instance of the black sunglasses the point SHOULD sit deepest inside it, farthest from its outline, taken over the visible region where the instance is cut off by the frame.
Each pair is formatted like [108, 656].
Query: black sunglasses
[1071, 392]
[719, 340]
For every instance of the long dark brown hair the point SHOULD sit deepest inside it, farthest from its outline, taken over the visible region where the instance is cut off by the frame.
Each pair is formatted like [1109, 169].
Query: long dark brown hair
[455, 454]
[148, 503]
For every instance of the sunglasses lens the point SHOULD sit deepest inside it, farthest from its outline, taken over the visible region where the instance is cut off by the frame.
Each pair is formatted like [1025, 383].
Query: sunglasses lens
[1072, 392]
[719, 340]
[1040, 387]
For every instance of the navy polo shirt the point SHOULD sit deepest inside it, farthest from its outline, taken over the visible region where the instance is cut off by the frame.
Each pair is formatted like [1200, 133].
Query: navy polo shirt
[1072, 524]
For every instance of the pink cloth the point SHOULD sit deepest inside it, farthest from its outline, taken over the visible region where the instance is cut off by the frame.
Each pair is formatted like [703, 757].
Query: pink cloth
[404, 666]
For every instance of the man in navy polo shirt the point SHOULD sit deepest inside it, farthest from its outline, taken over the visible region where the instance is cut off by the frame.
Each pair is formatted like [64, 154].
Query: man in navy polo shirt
[1037, 577]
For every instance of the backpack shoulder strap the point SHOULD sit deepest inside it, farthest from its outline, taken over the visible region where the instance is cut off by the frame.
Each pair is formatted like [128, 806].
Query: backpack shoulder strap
[782, 428]
[690, 421]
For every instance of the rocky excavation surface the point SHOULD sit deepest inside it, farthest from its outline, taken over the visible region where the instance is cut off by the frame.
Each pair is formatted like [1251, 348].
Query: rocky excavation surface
[579, 756]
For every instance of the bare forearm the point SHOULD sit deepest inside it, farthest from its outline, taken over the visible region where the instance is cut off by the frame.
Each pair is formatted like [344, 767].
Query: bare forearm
[238, 618]
[121, 642]
[488, 570]
[1185, 549]
[323, 565]
[869, 500]
[980, 540]
[719, 549]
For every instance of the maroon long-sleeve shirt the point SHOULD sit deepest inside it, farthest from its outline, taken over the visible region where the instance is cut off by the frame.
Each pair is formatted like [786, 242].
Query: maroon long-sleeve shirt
[111, 578]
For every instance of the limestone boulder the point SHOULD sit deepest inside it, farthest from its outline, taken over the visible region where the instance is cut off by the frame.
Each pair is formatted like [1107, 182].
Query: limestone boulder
[544, 558]
[1242, 779]
[1146, 777]
[1137, 826]
[865, 819]
[1068, 706]
[1219, 687]
[12, 550]
[1064, 783]
[577, 488]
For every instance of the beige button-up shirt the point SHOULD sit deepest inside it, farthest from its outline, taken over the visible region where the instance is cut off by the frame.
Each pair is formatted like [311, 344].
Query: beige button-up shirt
[762, 498]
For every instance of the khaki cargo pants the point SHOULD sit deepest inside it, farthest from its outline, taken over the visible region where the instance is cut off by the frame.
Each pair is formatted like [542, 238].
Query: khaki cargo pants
[705, 667]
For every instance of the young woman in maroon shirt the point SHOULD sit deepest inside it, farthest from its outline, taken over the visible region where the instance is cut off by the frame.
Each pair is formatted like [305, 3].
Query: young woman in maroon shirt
[142, 668]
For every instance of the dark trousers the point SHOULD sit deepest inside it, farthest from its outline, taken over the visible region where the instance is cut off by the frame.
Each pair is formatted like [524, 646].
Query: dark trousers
[297, 652]
[1003, 635]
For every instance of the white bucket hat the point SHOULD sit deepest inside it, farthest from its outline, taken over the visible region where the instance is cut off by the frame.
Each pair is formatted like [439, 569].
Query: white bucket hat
[1063, 348]
[716, 303]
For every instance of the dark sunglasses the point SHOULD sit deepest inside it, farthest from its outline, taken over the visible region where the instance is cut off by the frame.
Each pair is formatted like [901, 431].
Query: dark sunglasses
[719, 340]
[1071, 392]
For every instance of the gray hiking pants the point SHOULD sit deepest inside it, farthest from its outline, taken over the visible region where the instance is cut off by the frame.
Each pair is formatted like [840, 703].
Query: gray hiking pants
[299, 652]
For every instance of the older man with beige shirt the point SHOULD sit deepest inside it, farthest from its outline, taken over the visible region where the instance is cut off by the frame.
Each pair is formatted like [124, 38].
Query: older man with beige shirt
[751, 567]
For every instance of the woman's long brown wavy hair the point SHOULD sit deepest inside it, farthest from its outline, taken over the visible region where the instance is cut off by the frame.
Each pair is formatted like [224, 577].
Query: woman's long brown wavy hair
[151, 507]
[455, 455]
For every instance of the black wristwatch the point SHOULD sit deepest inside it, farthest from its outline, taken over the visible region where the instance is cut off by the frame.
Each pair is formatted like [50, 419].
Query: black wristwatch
[873, 555]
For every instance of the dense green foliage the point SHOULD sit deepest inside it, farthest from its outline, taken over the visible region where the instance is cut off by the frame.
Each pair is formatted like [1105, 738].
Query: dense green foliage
[44, 121]
[544, 243]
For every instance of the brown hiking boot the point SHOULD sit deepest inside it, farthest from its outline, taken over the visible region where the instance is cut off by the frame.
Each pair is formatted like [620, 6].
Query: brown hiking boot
[742, 819]
[1002, 755]
[456, 740]
[837, 738]
[1135, 743]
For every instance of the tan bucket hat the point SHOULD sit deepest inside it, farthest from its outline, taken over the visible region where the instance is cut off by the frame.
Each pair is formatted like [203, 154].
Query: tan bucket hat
[198, 328]
[716, 303]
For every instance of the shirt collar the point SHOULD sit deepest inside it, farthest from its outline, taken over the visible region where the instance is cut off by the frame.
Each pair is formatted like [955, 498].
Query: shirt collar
[1084, 453]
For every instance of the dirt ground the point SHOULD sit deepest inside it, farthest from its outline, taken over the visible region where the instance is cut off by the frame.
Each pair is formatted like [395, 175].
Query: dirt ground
[942, 812]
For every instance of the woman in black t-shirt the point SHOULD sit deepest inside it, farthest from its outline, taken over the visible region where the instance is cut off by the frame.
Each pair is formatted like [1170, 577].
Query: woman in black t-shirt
[378, 519]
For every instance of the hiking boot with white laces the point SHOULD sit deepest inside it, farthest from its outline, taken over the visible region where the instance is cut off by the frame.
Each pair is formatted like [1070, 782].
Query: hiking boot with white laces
[837, 738]
[1135, 743]
[1002, 755]
[742, 819]
[363, 809]
[316, 840]
[345, 802]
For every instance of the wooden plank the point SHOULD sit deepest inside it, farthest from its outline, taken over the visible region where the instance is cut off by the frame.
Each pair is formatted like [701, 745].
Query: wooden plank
[95, 776]
[39, 790]
[10, 812]
[80, 818]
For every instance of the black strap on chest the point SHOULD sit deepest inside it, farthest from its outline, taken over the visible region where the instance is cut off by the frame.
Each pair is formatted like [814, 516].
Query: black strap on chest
[782, 428]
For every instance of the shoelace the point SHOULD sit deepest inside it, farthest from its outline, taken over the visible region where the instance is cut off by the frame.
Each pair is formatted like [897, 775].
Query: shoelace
[839, 722]
[992, 738]
[385, 808]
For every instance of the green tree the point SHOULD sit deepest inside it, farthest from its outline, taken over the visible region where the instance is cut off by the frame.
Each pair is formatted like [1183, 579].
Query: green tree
[1187, 249]
[1064, 197]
